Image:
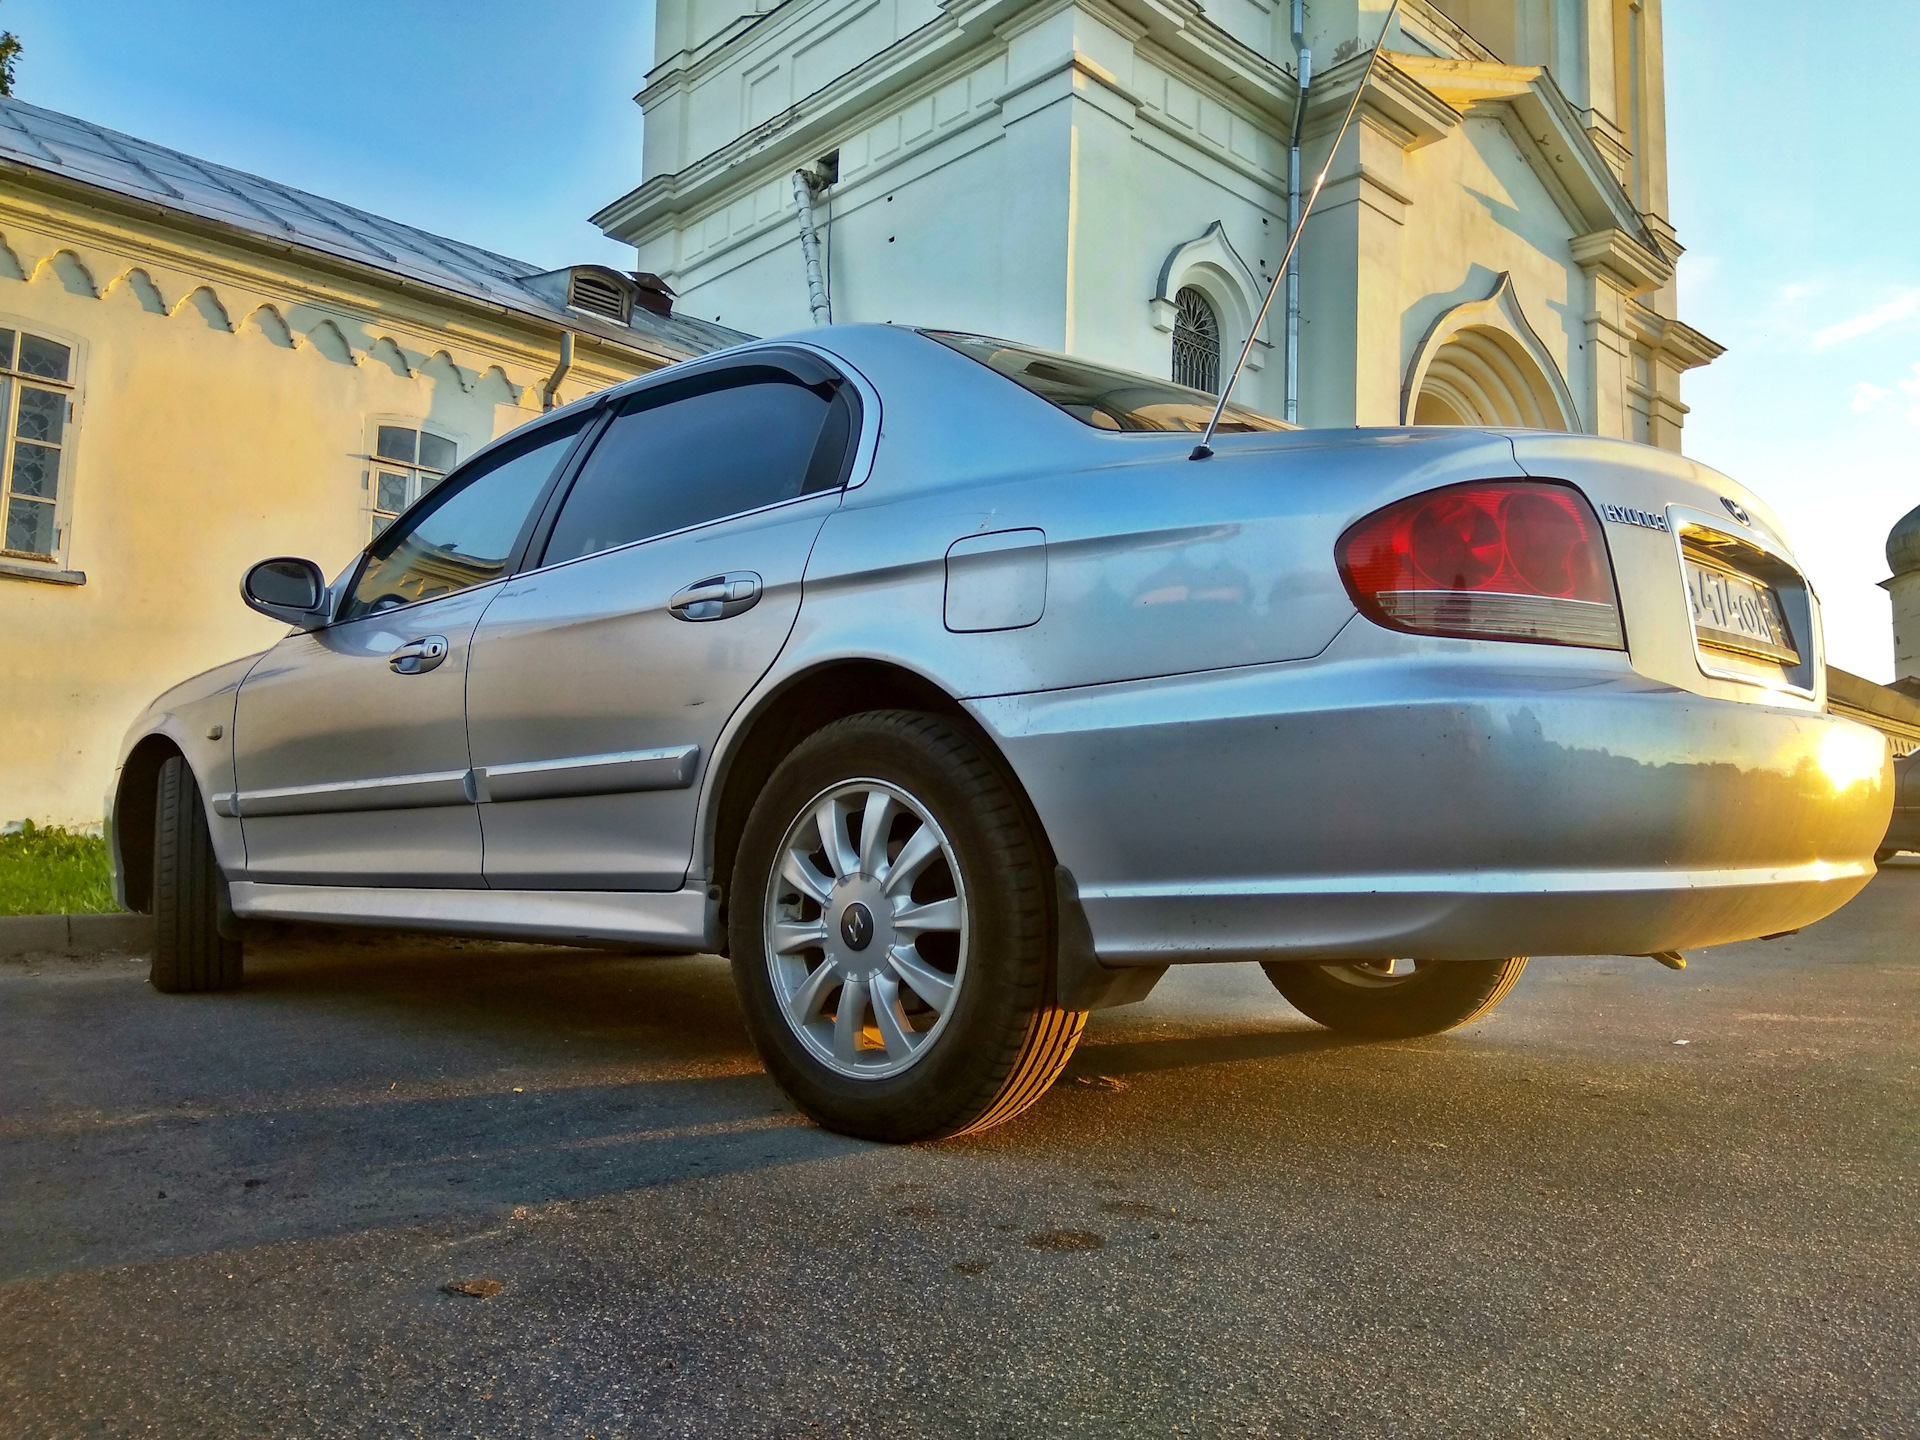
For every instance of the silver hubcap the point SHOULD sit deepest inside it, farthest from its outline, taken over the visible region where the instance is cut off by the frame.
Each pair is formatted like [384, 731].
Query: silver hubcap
[866, 925]
[1374, 974]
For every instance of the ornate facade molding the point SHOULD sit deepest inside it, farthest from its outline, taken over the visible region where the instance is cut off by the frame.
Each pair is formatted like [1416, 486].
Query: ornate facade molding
[1499, 312]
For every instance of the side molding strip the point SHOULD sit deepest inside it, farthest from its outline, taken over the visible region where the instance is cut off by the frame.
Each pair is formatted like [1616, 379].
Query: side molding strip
[386, 792]
[669, 768]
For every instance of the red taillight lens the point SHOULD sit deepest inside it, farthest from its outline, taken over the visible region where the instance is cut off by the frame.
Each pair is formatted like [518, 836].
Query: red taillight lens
[1503, 560]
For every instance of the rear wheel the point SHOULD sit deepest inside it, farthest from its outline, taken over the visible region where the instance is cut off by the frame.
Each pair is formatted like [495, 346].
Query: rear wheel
[1386, 999]
[189, 953]
[892, 943]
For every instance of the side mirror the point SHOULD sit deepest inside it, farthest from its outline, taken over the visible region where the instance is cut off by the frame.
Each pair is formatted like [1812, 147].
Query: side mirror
[287, 589]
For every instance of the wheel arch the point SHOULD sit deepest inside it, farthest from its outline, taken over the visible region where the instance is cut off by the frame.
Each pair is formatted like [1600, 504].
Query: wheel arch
[132, 821]
[804, 703]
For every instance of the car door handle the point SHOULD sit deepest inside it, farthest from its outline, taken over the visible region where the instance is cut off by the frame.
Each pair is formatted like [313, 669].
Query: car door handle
[416, 657]
[717, 596]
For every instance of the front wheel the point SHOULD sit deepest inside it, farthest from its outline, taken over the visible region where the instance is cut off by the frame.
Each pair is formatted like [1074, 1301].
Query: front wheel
[1393, 999]
[189, 952]
[891, 936]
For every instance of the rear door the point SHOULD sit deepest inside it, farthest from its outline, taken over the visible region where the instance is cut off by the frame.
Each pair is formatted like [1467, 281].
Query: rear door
[350, 742]
[668, 583]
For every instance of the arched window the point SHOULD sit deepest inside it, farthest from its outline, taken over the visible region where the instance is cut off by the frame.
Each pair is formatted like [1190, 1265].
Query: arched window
[1196, 341]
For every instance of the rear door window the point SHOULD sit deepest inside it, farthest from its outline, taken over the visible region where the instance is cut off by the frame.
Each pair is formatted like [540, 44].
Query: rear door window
[667, 466]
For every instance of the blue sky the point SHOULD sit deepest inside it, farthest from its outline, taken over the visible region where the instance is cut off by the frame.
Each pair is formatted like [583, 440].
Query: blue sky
[508, 124]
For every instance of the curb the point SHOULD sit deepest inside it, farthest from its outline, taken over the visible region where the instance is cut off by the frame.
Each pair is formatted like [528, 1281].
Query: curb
[73, 934]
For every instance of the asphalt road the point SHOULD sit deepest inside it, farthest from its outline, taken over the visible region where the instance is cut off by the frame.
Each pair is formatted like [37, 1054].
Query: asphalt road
[1631, 1202]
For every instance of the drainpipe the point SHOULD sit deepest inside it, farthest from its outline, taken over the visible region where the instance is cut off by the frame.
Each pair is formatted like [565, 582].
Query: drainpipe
[550, 392]
[1293, 212]
[810, 249]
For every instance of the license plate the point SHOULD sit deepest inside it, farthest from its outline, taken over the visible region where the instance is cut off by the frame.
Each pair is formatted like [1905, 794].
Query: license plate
[1731, 612]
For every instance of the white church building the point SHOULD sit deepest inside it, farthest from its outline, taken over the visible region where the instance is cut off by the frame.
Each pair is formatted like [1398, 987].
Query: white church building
[1111, 178]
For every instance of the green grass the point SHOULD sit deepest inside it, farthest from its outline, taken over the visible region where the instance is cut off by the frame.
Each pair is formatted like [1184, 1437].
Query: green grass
[54, 872]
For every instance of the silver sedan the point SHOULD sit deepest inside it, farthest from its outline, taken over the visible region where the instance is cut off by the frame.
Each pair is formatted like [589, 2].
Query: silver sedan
[944, 685]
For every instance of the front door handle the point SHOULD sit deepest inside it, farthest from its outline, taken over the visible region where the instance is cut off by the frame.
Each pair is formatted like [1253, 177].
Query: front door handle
[416, 657]
[717, 596]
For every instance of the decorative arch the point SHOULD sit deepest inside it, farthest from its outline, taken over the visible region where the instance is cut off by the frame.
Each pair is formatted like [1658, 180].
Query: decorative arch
[71, 272]
[138, 284]
[1211, 266]
[1481, 363]
[440, 364]
[207, 305]
[10, 266]
[330, 342]
[268, 322]
[387, 351]
[496, 386]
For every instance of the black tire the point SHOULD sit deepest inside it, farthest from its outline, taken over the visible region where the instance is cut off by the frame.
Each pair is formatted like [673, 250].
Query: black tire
[1004, 1040]
[1355, 999]
[189, 952]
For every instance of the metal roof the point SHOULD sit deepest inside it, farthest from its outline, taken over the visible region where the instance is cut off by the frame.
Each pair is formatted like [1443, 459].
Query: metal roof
[78, 150]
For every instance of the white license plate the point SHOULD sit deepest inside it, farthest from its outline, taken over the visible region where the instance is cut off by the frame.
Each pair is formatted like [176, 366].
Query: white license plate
[1731, 612]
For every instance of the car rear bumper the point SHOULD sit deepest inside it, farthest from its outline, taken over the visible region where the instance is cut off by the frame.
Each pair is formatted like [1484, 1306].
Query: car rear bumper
[1445, 800]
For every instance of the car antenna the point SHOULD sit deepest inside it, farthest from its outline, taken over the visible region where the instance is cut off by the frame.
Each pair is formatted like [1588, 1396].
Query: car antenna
[1205, 447]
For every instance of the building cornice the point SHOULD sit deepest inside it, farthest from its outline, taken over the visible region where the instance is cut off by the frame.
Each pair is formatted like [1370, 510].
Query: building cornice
[965, 30]
[1679, 342]
[1635, 267]
[142, 235]
[1545, 126]
[98, 215]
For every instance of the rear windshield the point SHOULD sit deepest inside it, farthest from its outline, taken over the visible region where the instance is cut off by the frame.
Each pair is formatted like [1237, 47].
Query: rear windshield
[1105, 399]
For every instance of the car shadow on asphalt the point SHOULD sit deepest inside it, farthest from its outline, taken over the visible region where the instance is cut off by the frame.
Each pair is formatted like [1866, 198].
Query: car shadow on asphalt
[364, 1084]
[359, 1081]
[1136, 1057]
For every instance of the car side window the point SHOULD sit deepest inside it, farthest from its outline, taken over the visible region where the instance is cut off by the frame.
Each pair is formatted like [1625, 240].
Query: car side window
[663, 467]
[463, 534]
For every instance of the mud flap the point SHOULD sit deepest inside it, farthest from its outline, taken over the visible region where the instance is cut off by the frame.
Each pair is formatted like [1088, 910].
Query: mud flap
[1081, 982]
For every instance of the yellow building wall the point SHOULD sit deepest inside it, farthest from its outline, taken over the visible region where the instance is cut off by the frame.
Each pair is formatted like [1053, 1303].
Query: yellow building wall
[224, 412]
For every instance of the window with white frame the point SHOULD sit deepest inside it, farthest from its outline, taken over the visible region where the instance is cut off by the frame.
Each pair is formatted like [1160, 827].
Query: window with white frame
[407, 462]
[36, 406]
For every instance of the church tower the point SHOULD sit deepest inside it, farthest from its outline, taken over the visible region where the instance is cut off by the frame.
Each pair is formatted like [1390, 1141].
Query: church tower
[1111, 178]
[1903, 559]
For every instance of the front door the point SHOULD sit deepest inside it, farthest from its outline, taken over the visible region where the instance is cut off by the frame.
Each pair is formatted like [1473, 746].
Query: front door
[350, 742]
[600, 681]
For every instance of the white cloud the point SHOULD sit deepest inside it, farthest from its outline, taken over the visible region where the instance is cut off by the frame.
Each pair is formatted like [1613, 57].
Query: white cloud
[1866, 395]
[1902, 307]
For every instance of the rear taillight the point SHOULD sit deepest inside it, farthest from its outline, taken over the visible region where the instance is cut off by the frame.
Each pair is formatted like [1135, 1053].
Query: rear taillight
[1495, 560]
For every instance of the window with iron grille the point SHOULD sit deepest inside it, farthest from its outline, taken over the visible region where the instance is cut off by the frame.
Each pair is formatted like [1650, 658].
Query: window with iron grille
[36, 411]
[1196, 341]
[407, 462]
